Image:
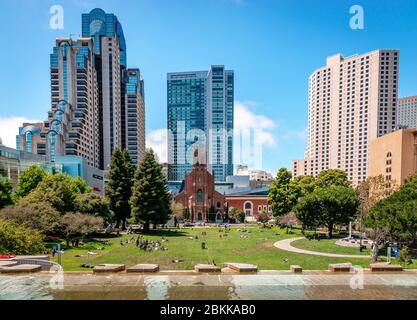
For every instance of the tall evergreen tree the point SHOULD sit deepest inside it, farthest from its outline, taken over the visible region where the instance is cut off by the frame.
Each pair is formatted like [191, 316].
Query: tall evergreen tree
[150, 198]
[119, 186]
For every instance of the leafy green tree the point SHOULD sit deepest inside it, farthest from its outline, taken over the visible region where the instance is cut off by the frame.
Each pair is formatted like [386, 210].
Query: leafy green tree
[177, 212]
[39, 216]
[93, 204]
[19, 240]
[6, 190]
[303, 185]
[150, 198]
[59, 190]
[397, 214]
[79, 186]
[119, 186]
[240, 216]
[329, 206]
[332, 177]
[339, 205]
[29, 180]
[263, 217]
[282, 196]
[306, 211]
[75, 226]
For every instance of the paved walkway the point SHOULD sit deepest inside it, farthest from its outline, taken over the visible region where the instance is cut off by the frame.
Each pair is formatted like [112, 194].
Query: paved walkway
[286, 245]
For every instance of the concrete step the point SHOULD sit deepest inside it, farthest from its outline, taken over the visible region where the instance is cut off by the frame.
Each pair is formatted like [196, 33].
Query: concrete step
[21, 268]
[143, 268]
[296, 269]
[109, 268]
[242, 267]
[375, 267]
[206, 268]
[340, 267]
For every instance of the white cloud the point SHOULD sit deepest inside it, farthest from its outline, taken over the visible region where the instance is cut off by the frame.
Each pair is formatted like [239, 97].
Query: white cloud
[157, 140]
[9, 128]
[246, 119]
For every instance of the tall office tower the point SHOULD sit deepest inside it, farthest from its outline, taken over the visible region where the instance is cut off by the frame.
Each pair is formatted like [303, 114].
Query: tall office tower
[407, 112]
[72, 126]
[220, 107]
[111, 64]
[200, 115]
[135, 116]
[351, 102]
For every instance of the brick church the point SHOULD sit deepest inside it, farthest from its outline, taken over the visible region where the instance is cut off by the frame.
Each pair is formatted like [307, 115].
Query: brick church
[198, 195]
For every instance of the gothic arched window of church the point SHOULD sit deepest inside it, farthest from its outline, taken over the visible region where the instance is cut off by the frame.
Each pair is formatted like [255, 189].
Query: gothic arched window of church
[200, 196]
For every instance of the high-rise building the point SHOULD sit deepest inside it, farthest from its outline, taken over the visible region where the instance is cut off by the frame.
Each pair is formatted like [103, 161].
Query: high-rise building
[407, 112]
[72, 125]
[200, 115]
[351, 101]
[97, 104]
[133, 126]
[111, 64]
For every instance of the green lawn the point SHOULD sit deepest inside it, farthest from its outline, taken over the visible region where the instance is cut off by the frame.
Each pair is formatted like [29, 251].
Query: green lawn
[257, 248]
[327, 245]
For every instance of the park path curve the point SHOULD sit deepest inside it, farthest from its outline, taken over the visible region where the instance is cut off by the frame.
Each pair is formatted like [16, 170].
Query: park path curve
[286, 246]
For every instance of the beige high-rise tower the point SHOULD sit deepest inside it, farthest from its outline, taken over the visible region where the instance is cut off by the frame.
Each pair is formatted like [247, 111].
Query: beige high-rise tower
[351, 102]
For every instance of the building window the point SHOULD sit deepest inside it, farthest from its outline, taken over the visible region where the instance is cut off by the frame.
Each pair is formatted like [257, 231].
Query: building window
[248, 208]
[200, 196]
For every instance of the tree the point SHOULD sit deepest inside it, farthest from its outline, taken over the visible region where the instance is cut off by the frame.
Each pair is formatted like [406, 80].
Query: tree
[263, 217]
[372, 190]
[332, 177]
[150, 198]
[303, 185]
[19, 240]
[240, 216]
[6, 190]
[59, 190]
[93, 204]
[397, 214]
[177, 212]
[39, 216]
[339, 205]
[74, 226]
[306, 211]
[282, 196]
[119, 186]
[29, 180]
[328, 206]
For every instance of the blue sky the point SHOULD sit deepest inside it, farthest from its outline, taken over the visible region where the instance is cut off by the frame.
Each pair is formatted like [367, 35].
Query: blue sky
[273, 47]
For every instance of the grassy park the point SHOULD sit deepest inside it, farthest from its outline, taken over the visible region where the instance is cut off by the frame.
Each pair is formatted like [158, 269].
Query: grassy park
[250, 245]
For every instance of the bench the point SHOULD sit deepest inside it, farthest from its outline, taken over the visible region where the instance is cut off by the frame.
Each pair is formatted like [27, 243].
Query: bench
[143, 268]
[241, 267]
[206, 268]
[385, 267]
[340, 267]
[296, 269]
[21, 268]
[103, 268]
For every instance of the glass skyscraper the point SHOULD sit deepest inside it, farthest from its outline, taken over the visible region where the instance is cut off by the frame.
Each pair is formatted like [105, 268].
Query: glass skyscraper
[90, 112]
[200, 115]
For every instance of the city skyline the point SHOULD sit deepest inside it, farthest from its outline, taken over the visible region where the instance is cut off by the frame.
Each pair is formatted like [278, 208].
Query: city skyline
[279, 107]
